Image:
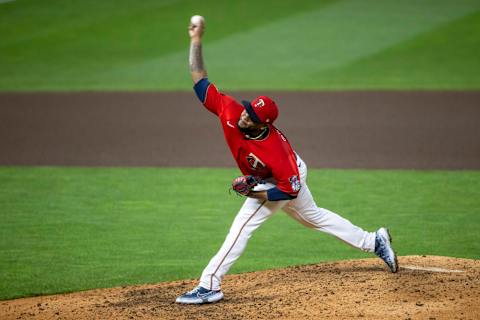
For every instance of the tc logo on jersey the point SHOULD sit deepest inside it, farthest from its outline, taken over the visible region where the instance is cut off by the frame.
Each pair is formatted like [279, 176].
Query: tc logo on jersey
[255, 162]
[295, 183]
[259, 103]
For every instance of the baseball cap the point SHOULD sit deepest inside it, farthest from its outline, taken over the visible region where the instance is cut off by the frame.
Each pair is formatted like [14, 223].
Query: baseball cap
[261, 110]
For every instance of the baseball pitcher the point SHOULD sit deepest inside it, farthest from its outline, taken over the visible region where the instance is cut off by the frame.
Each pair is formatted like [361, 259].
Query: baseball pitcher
[274, 178]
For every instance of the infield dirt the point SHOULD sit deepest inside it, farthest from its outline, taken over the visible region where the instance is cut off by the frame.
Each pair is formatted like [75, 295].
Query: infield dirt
[426, 287]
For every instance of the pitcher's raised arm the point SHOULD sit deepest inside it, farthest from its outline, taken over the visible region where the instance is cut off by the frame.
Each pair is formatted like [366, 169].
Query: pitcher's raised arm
[195, 31]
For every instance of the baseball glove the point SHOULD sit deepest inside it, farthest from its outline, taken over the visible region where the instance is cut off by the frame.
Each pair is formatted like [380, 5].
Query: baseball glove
[244, 184]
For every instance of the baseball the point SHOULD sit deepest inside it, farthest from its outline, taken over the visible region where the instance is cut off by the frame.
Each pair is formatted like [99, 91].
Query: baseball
[197, 20]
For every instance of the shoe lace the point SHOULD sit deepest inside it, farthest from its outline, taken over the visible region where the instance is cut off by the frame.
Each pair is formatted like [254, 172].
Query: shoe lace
[195, 290]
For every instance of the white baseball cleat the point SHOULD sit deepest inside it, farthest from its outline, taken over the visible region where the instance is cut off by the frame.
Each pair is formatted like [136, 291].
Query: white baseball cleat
[384, 250]
[200, 295]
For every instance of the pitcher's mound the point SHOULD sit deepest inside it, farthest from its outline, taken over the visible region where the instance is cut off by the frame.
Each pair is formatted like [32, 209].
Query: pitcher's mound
[426, 287]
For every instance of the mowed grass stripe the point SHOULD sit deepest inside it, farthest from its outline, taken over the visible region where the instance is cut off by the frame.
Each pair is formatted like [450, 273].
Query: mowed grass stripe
[58, 45]
[289, 53]
[439, 59]
[126, 45]
[68, 229]
[282, 53]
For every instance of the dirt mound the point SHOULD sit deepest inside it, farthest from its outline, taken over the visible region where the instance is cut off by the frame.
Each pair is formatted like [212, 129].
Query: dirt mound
[426, 287]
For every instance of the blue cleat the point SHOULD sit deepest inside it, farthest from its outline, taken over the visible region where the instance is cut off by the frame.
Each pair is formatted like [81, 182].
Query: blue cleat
[383, 249]
[200, 295]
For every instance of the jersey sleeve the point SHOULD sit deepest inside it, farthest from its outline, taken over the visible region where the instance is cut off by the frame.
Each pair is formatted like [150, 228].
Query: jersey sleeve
[209, 95]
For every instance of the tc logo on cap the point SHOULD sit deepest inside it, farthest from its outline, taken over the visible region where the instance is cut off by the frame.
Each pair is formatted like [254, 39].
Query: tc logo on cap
[261, 110]
[259, 103]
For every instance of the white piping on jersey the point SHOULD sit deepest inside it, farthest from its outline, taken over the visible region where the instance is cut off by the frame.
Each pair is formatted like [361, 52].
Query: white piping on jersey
[259, 137]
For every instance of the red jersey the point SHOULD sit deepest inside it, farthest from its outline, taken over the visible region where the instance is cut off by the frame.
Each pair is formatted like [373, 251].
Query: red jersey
[269, 157]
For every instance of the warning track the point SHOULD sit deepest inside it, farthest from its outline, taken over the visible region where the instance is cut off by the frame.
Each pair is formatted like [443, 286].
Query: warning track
[421, 130]
[339, 290]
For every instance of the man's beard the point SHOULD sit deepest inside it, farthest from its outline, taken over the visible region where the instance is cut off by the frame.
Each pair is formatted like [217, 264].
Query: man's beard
[244, 130]
[247, 131]
[251, 133]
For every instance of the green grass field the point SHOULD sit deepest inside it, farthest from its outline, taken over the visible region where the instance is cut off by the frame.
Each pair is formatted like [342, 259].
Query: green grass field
[68, 229]
[250, 44]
